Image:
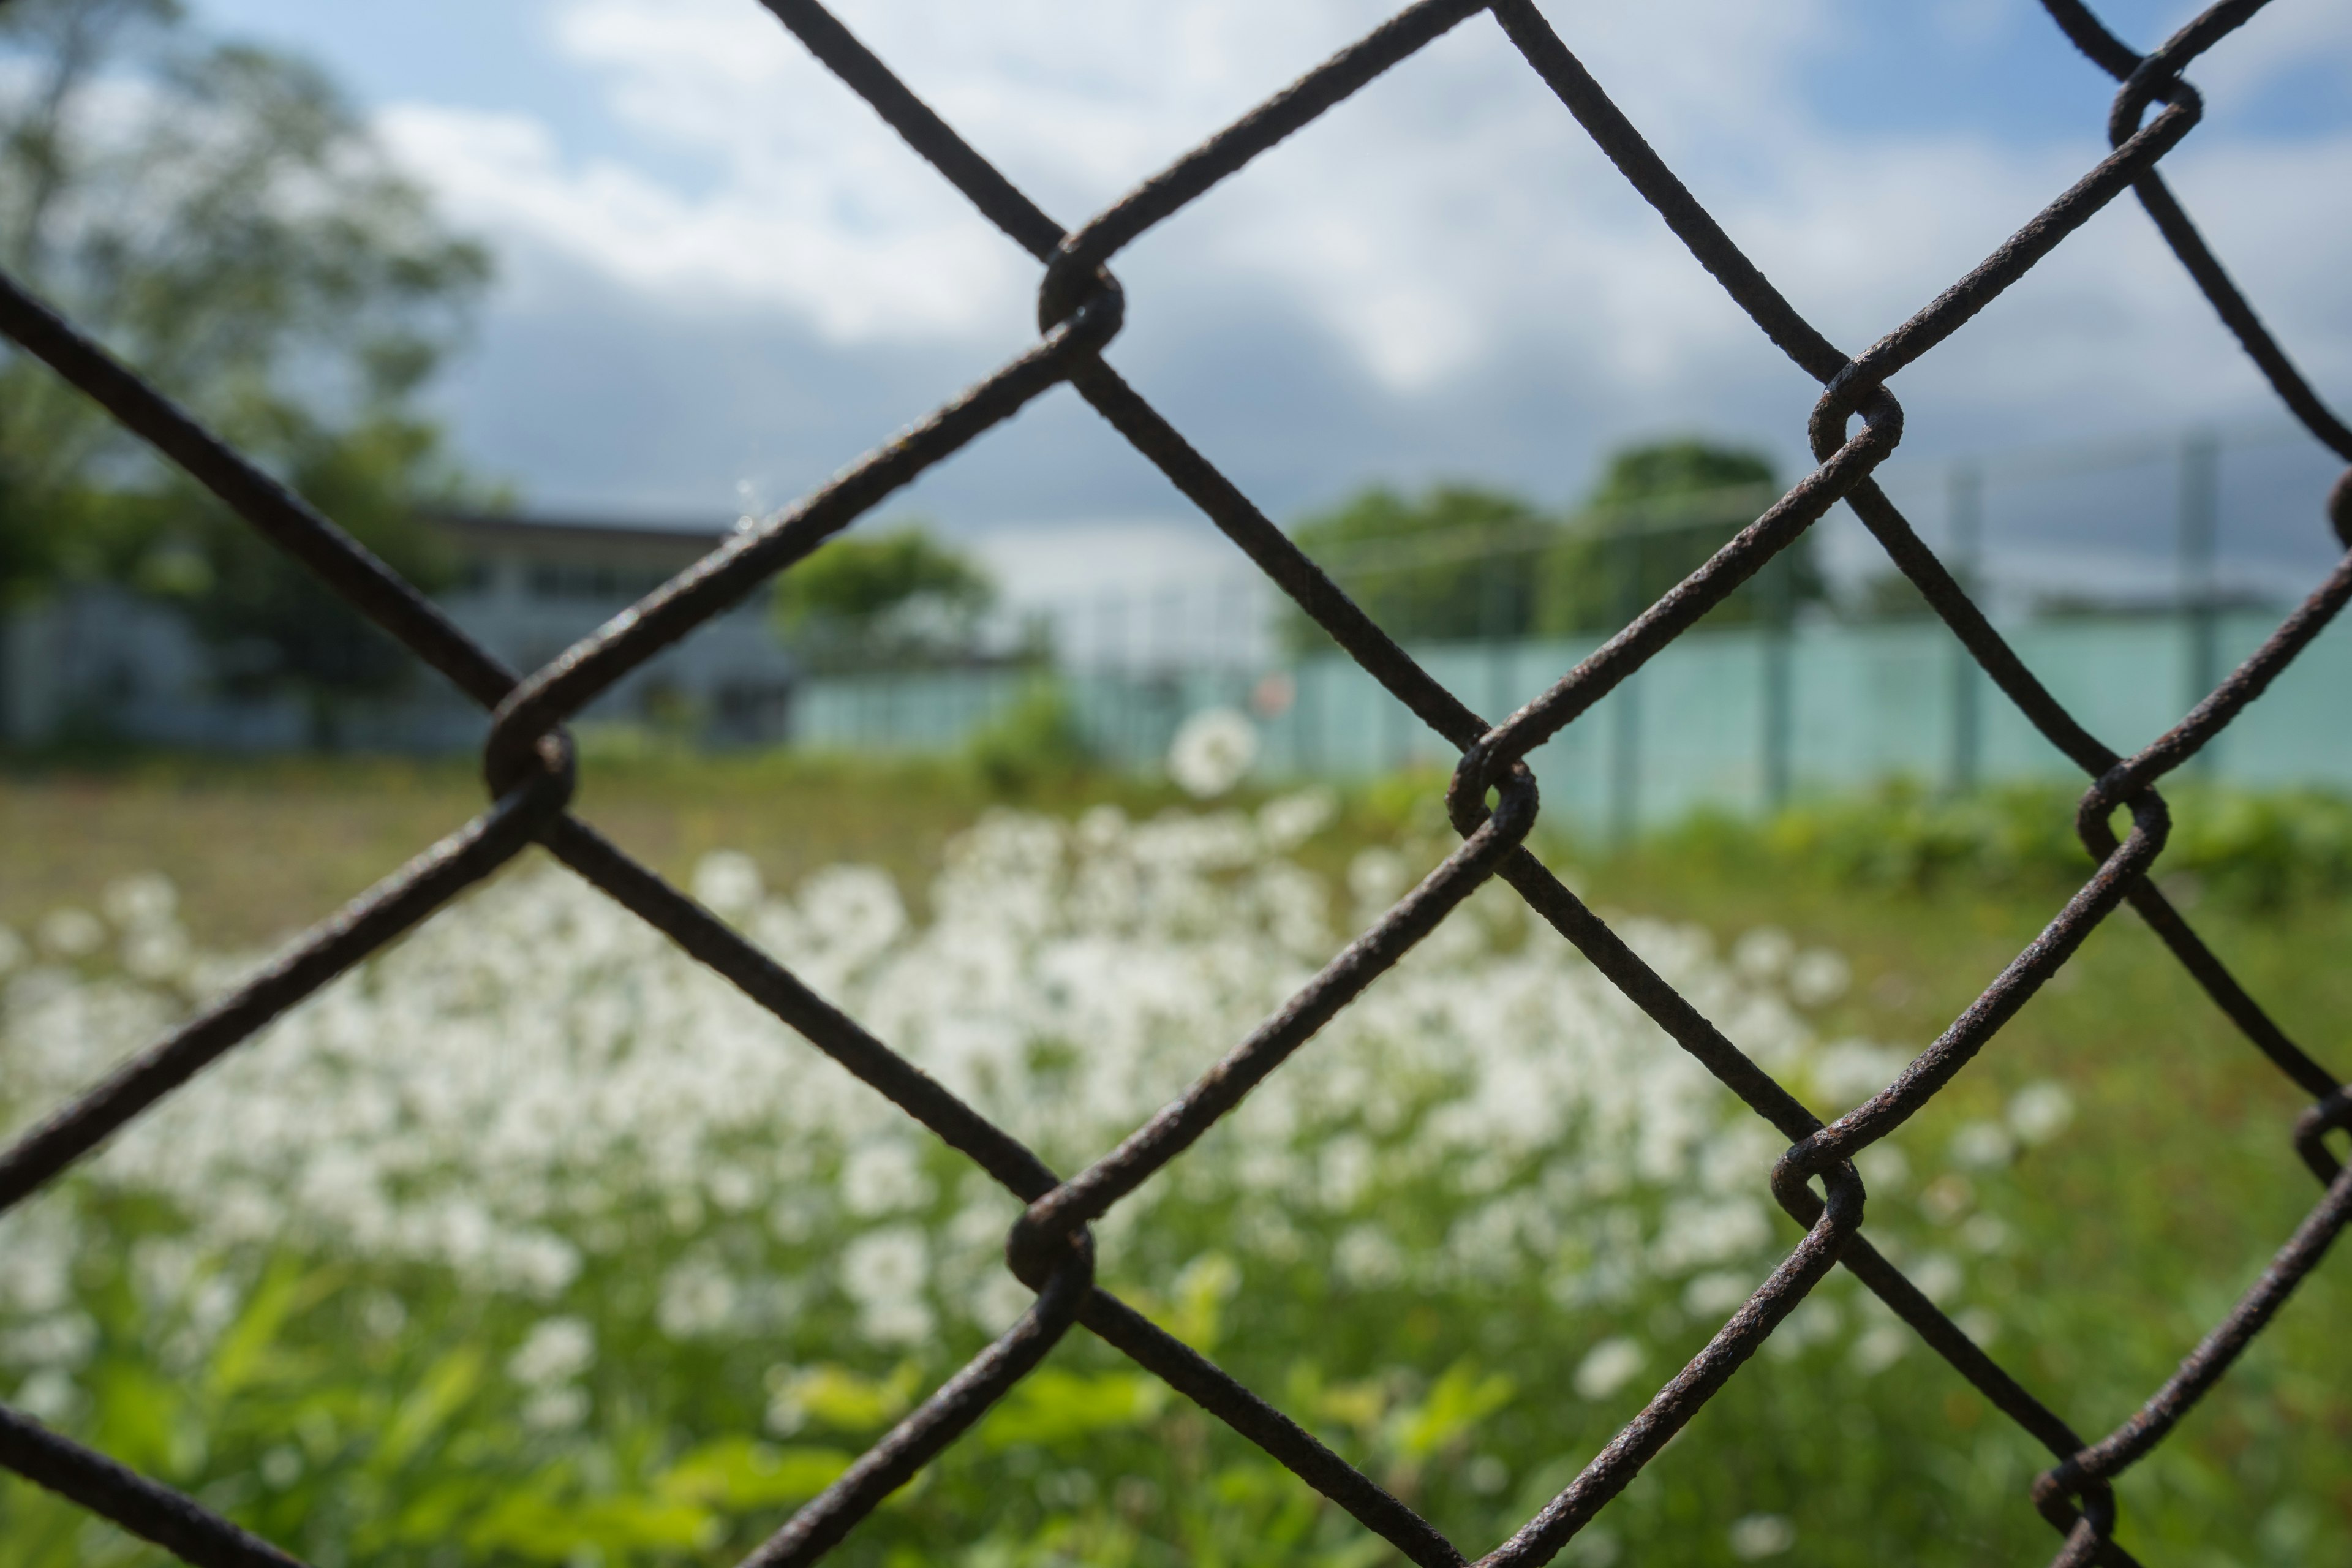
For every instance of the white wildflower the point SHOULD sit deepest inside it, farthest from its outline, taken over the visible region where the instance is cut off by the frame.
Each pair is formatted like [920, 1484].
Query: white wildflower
[697, 1299]
[1948, 1197]
[65, 1339]
[48, 1395]
[1816, 1320]
[556, 1409]
[731, 1188]
[1938, 1276]
[156, 952]
[535, 1080]
[1985, 1234]
[1759, 1535]
[1288, 821]
[999, 1302]
[70, 932]
[1764, 953]
[726, 882]
[1717, 1294]
[1608, 1366]
[557, 1350]
[1594, 1546]
[1817, 976]
[1848, 1072]
[1883, 1168]
[281, 1466]
[1982, 1146]
[853, 913]
[883, 1176]
[146, 899]
[885, 1273]
[1879, 1347]
[1366, 1257]
[1698, 1231]
[1212, 751]
[2040, 1111]
[1378, 878]
[1978, 1323]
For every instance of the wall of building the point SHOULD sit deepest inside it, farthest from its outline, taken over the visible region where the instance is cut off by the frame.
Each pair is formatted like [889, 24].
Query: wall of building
[99, 663]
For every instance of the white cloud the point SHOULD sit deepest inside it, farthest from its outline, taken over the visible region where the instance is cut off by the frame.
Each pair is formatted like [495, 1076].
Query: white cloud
[1452, 217]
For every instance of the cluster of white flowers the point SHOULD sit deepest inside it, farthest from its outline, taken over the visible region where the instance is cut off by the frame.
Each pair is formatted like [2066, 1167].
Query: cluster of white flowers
[491, 1093]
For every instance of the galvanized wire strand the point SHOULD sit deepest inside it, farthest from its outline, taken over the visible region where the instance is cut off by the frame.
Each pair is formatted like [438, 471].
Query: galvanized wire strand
[527, 764]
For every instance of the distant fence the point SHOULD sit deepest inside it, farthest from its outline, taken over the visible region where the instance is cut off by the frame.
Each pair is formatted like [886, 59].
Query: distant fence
[1739, 718]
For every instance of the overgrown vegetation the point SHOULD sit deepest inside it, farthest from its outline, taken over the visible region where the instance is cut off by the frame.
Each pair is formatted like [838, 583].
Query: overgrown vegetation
[895, 597]
[217, 215]
[2259, 851]
[1461, 563]
[742, 1312]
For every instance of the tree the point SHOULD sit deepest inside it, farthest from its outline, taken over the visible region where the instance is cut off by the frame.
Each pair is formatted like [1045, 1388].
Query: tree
[1450, 564]
[1657, 512]
[1644, 475]
[1461, 563]
[895, 597]
[218, 217]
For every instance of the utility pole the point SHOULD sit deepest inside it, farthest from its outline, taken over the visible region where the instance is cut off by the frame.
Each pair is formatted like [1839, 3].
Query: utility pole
[2200, 513]
[1625, 725]
[1966, 498]
[1777, 586]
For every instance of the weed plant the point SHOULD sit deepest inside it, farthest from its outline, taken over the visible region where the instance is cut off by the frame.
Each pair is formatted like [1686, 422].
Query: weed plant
[531, 1242]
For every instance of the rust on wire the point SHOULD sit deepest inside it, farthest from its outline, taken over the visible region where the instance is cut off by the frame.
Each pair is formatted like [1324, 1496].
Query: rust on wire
[528, 764]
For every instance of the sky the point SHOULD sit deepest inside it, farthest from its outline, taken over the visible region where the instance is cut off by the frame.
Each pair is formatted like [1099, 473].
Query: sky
[721, 278]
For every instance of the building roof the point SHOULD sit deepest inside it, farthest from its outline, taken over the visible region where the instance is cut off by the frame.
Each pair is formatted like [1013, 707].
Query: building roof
[575, 535]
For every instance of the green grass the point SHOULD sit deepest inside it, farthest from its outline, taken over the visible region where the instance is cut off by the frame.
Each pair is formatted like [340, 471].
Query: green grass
[2163, 1202]
[2137, 1229]
[261, 849]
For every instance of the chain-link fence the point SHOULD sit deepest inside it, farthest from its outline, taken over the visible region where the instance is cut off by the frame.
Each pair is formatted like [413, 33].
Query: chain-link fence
[1492, 801]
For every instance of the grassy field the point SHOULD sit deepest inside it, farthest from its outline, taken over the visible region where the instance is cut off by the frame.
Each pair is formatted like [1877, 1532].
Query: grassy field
[2130, 1234]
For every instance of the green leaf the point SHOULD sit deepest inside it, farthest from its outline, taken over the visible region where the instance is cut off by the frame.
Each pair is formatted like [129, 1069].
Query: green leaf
[444, 1389]
[739, 1473]
[142, 1419]
[546, 1527]
[1458, 1400]
[836, 1396]
[1051, 1406]
[246, 1355]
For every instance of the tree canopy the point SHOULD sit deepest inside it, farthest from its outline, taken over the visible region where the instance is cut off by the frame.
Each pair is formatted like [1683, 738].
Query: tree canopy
[217, 215]
[1461, 563]
[898, 595]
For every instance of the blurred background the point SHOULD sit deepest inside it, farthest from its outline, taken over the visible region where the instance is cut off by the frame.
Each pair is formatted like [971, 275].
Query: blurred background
[543, 301]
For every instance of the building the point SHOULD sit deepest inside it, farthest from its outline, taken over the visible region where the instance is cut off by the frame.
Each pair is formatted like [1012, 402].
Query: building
[101, 662]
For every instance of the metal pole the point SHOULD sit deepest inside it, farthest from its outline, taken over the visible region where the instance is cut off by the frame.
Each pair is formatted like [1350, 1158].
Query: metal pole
[1496, 622]
[2200, 509]
[1625, 725]
[1967, 501]
[1779, 606]
[1309, 724]
[1396, 720]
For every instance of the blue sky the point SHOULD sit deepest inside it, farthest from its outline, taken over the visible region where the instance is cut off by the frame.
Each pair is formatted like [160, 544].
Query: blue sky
[721, 279]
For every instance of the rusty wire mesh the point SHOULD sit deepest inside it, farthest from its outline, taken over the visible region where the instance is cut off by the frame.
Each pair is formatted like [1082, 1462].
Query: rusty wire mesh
[528, 767]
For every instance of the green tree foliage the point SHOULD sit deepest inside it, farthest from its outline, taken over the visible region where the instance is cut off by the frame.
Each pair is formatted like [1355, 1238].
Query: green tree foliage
[1655, 471]
[218, 217]
[1657, 513]
[897, 597]
[1461, 563]
[1448, 565]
